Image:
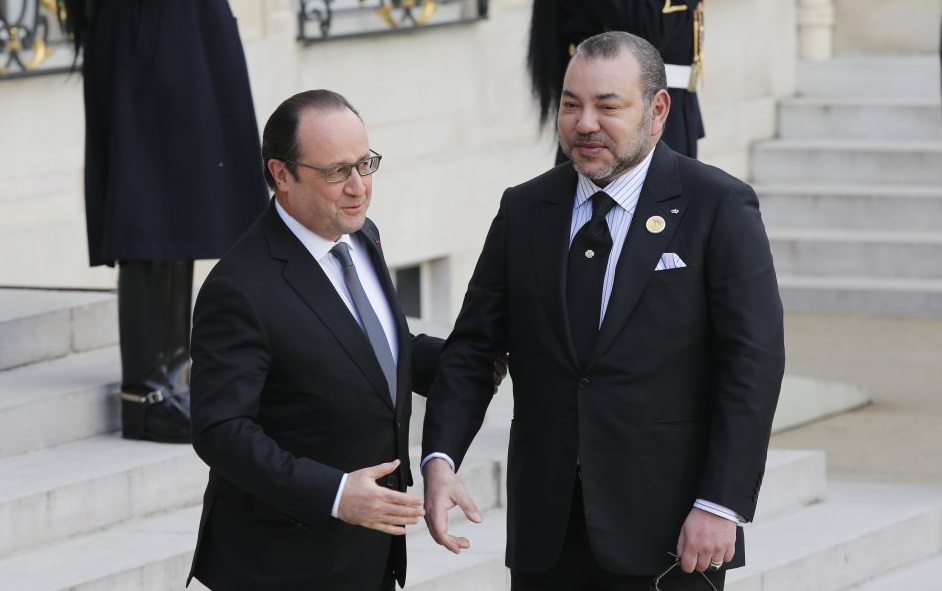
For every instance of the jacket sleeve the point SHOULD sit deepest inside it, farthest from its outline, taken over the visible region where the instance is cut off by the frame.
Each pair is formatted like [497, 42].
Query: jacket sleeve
[464, 382]
[748, 351]
[231, 357]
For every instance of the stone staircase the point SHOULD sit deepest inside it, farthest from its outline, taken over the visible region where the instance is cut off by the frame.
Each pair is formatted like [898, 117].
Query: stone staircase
[851, 190]
[83, 510]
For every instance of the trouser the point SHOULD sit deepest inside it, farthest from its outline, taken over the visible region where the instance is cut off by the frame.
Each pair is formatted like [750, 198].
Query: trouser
[578, 570]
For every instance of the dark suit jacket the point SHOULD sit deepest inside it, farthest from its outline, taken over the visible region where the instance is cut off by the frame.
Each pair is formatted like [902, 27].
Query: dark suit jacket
[677, 400]
[287, 395]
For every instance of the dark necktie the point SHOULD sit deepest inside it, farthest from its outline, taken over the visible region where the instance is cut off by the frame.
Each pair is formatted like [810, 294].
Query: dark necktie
[588, 258]
[371, 325]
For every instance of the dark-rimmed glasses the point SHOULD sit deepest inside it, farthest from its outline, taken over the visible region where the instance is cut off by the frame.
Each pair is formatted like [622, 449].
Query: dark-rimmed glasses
[655, 584]
[338, 173]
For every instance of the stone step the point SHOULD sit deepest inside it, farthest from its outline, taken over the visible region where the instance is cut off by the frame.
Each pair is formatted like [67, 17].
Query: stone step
[150, 554]
[60, 401]
[829, 546]
[92, 484]
[924, 574]
[153, 552]
[873, 76]
[805, 400]
[134, 491]
[861, 118]
[872, 207]
[793, 479]
[867, 295]
[847, 539]
[857, 253]
[480, 568]
[38, 325]
[845, 162]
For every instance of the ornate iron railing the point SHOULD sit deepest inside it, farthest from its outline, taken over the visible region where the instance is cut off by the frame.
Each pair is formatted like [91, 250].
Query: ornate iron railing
[323, 20]
[31, 40]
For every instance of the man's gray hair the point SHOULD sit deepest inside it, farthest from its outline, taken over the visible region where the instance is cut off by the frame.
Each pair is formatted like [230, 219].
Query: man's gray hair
[612, 44]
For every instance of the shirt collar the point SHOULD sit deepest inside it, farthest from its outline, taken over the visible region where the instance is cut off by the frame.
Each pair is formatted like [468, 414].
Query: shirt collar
[318, 246]
[624, 189]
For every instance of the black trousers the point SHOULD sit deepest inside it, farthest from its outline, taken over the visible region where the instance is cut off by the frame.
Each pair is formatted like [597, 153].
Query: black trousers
[577, 569]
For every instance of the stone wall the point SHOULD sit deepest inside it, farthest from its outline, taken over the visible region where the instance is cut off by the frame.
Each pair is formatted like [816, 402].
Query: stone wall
[448, 108]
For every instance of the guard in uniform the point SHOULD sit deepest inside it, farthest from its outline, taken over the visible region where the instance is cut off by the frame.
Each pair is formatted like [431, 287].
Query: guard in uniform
[675, 27]
[172, 175]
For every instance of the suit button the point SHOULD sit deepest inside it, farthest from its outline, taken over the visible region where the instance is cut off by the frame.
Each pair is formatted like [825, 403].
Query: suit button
[583, 383]
[392, 481]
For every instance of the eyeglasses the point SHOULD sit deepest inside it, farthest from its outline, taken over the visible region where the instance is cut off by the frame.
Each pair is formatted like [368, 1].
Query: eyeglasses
[338, 173]
[655, 585]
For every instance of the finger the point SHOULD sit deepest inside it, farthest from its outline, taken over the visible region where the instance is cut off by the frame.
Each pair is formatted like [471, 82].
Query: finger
[459, 543]
[467, 504]
[400, 520]
[409, 502]
[454, 544]
[374, 472]
[400, 510]
[436, 518]
[689, 561]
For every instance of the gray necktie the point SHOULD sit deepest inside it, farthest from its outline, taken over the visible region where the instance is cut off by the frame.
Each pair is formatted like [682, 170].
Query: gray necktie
[371, 325]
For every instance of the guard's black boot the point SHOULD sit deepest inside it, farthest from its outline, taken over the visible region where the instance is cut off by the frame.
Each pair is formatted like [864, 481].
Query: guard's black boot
[149, 410]
[180, 312]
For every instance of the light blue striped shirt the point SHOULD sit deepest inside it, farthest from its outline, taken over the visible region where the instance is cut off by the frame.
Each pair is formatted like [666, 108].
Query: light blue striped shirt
[625, 190]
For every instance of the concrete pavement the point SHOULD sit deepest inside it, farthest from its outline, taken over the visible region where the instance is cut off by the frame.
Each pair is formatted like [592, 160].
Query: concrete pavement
[898, 361]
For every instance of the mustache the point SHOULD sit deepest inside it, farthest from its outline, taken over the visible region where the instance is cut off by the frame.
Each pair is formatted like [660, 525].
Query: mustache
[589, 138]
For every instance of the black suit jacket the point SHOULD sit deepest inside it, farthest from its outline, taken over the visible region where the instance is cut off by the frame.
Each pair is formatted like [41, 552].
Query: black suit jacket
[287, 395]
[677, 400]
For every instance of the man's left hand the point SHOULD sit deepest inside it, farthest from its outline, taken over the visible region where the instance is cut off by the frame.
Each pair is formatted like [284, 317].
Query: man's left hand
[705, 538]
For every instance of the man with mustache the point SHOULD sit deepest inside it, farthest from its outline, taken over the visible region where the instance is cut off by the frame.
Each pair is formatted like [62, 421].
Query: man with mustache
[635, 292]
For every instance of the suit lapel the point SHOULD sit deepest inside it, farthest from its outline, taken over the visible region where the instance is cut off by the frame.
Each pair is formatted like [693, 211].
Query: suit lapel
[660, 194]
[550, 221]
[306, 277]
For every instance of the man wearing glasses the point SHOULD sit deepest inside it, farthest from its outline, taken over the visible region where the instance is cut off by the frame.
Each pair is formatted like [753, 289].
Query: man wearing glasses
[303, 369]
[634, 290]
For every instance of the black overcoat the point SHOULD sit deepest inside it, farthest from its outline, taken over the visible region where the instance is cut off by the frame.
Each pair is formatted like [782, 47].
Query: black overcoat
[172, 159]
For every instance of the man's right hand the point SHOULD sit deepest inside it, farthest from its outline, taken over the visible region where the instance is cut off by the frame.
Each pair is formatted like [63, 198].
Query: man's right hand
[363, 502]
[444, 490]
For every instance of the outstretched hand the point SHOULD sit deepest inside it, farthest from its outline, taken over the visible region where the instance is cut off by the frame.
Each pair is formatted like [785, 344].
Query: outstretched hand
[363, 502]
[444, 490]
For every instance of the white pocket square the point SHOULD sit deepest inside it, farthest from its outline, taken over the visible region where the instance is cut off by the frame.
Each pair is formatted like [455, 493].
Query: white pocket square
[670, 260]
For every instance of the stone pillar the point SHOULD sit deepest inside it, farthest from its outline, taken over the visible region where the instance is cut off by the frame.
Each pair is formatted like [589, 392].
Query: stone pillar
[816, 29]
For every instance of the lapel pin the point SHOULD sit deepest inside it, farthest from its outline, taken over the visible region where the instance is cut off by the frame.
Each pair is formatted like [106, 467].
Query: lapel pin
[589, 254]
[675, 211]
[655, 224]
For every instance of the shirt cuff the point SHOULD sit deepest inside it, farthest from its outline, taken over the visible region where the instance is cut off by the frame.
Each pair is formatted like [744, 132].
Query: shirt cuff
[719, 510]
[436, 454]
[335, 510]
